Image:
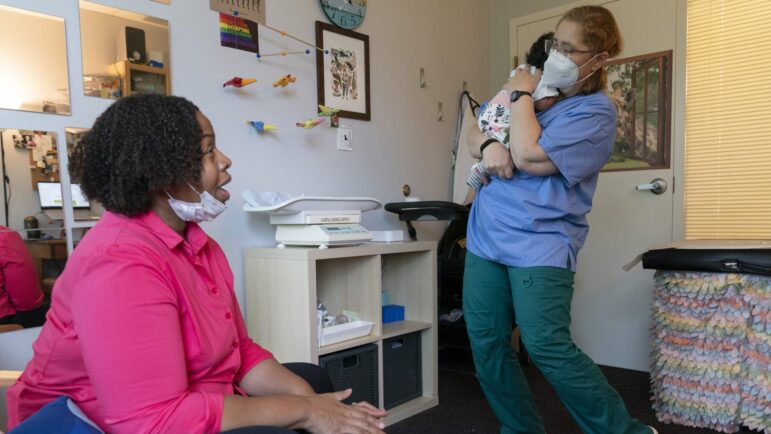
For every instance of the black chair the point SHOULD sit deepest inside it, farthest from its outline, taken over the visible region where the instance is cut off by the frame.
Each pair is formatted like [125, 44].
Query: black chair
[451, 257]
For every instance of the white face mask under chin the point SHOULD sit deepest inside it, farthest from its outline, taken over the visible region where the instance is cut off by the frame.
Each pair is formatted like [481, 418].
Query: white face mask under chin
[205, 210]
[561, 72]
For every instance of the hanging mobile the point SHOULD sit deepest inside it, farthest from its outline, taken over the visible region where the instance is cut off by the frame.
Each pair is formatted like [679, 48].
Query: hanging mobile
[261, 127]
[239, 82]
[310, 123]
[285, 80]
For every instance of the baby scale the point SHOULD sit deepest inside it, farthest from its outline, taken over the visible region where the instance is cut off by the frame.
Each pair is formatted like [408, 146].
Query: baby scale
[316, 220]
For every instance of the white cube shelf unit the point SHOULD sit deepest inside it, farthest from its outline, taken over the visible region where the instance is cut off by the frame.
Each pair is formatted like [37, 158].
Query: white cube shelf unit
[284, 285]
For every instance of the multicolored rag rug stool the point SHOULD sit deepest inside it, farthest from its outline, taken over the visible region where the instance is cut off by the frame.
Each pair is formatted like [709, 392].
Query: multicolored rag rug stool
[712, 350]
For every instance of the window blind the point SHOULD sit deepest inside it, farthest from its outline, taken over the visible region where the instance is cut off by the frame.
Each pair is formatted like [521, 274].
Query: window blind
[728, 120]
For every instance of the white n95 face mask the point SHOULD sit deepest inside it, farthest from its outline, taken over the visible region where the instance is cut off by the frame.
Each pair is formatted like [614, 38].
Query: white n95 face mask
[542, 91]
[205, 210]
[561, 72]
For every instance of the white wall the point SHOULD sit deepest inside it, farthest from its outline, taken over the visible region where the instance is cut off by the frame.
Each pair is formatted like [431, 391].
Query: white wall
[404, 143]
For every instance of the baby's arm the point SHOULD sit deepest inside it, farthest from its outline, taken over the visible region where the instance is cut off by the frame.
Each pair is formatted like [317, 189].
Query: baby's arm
[494, 122]
[495, 119]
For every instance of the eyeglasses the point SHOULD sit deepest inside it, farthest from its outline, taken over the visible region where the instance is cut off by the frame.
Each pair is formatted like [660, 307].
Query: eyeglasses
[563, 48]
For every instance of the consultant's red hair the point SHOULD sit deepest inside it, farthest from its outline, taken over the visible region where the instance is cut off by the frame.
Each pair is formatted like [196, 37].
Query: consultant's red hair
[600, 34]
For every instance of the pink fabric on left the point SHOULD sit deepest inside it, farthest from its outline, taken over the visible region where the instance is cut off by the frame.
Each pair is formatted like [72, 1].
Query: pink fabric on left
[144, 333]
[19, 285]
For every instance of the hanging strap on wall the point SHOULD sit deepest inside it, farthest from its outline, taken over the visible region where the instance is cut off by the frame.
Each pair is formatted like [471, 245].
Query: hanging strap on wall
[474, 104]
[461, 159]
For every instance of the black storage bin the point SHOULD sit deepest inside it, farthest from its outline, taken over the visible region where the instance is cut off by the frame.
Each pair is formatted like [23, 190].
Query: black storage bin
[355, 368]
[402, 370]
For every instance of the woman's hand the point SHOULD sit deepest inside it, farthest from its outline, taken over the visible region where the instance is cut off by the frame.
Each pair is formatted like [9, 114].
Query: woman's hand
[523, 80]
[497, 161]
[327, 415]
[370, 409]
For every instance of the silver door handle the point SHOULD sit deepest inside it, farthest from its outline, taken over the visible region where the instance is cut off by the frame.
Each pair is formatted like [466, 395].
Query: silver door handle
[657, 186]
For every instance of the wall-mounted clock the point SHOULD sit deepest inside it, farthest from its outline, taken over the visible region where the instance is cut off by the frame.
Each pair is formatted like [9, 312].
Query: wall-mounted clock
[347, 14]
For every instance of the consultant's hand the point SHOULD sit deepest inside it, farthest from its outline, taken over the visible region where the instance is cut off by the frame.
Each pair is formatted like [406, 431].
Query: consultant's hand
[523, 80]
[497, 161]
[327, 415]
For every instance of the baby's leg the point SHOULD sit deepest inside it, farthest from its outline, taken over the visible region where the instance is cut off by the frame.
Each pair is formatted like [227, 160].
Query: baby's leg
[477, 176]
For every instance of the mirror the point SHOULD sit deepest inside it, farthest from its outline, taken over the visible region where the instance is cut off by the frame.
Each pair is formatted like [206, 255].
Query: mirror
[30, 170]
[124, 53]
[33, 65]
[83, 209]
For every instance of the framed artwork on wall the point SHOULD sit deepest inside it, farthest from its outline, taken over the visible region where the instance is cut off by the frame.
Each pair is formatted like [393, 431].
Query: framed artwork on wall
[640, 88]
[342, 71]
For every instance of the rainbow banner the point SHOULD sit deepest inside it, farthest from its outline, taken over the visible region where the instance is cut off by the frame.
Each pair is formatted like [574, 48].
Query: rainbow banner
[238, 33]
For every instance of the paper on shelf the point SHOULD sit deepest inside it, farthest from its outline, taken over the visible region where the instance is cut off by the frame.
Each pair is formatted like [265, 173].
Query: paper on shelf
[343, 332]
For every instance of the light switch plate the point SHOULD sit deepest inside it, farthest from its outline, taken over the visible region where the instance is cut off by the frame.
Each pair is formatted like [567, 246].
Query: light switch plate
[344, 138]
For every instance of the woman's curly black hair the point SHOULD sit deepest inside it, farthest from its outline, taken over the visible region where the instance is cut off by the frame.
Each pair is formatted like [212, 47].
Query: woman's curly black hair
[139, 146]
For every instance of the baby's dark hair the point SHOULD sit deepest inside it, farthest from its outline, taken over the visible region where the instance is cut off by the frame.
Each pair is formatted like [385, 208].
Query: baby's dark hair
[140, 145]
[537, 54]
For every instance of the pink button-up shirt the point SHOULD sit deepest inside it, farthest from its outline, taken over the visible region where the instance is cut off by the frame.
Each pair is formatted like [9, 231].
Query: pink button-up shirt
[19, 285]
[144, 332]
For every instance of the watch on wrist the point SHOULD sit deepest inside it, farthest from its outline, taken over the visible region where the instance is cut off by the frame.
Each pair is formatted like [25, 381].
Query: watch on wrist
[515, 95]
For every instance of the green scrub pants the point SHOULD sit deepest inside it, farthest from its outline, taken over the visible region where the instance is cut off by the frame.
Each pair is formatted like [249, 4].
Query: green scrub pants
[539, 298]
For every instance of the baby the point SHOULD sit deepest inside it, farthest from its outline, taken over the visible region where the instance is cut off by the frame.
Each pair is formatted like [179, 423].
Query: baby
[495, 115]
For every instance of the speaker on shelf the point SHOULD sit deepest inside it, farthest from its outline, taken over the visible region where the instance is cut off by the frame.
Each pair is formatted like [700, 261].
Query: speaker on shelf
[131, 45]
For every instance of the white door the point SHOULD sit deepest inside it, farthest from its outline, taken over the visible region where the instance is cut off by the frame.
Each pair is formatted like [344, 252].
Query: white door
[611, 307]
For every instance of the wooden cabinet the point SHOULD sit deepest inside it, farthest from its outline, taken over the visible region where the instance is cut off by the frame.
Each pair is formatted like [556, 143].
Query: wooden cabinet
[142, 79]
[283, 287]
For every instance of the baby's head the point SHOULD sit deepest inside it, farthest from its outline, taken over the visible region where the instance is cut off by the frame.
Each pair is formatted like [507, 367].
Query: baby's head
[537, 54]
[537, 57]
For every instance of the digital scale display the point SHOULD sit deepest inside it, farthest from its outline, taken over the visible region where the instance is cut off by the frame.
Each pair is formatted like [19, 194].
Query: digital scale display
[343, 229]
[322, 235]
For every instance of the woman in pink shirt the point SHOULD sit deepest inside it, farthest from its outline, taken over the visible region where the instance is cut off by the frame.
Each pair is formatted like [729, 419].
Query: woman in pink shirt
[145, 334]
[21, 299]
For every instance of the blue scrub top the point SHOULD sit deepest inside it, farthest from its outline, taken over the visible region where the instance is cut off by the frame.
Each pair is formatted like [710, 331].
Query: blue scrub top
[529, 221]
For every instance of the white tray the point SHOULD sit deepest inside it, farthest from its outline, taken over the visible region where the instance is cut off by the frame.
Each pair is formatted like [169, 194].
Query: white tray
[294, 205]
[343, 332]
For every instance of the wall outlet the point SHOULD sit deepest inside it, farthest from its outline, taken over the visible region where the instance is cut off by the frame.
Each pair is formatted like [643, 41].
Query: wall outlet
[344, 138]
